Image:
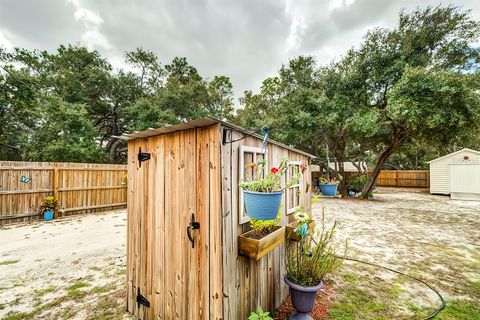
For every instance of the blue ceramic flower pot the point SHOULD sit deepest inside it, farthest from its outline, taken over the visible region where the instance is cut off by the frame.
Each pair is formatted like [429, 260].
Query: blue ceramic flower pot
[48, 215]
[329, 190]
[262, 205]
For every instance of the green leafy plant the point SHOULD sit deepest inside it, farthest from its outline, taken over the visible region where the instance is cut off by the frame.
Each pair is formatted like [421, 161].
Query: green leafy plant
[49, 203]
[357, 182]
[263, 227]
[328, 179]
[260, 315]
[270, 182]
[311, 258]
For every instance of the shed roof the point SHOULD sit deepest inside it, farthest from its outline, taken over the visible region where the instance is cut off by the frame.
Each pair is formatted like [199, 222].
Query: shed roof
[454, 153]
[203, 122]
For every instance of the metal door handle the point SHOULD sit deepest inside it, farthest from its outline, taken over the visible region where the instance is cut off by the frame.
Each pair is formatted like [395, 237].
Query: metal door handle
[192, 225]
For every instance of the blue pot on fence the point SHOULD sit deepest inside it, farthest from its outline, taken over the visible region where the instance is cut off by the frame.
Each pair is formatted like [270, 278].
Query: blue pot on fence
[262, 205]
[329, 190]
[48, 215]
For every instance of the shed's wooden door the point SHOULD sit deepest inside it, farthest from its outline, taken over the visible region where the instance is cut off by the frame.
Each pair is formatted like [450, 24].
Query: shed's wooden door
[172, 272]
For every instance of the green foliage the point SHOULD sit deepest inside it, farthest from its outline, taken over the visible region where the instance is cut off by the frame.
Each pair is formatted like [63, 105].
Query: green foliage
[266, 226]
[415, 85]
[357, 182]
[73, 100]
[311, 258]
[271, 181]
[49, 203]
[260, 315]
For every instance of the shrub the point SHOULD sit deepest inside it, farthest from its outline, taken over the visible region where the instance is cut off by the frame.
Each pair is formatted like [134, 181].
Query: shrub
[357, 182]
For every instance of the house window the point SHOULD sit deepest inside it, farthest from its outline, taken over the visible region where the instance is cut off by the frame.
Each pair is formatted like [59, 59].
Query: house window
[293, 191]
[248, 155]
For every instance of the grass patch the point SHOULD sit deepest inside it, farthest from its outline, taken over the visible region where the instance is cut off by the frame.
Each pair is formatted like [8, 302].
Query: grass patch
[76, 293]
[35, 312]
[73, 290]
[102, 289]
[78, 285]
[108, 307]
[460, 310]
[363, 296]
[121, 272]
[42, 292]
[7, 262]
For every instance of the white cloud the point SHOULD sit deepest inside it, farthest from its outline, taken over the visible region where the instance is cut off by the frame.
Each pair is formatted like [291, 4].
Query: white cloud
[92, 36]
[4, 40]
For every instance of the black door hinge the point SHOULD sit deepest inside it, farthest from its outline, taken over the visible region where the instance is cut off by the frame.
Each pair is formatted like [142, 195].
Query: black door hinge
[142, 156]
[142, 300]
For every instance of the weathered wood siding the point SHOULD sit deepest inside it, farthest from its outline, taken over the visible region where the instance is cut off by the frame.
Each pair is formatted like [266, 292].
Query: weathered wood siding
[181, 178]
[248, 283]
[79, 187]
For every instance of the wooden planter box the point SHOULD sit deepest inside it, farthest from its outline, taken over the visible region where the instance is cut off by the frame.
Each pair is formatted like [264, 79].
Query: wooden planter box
[257, 248]
[292, 235]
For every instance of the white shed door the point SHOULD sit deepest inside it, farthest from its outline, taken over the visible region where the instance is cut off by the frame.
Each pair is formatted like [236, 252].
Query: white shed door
[464, 179]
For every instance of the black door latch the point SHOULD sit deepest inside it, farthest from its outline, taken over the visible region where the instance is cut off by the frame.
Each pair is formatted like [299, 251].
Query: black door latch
[142, 156]
[192, 225]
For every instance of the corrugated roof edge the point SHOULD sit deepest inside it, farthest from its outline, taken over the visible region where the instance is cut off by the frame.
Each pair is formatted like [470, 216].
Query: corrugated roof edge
[454, 153]
[203, 122]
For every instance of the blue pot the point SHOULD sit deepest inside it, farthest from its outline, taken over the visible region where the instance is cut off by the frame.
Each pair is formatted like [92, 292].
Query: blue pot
[262, 205]
[329, 190]
[48, 215]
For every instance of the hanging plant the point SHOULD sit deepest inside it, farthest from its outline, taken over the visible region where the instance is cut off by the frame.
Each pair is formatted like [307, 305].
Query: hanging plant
[262, 193]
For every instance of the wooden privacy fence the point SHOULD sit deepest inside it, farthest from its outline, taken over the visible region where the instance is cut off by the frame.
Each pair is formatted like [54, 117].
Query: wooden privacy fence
[404, 178]
[401, 178]
[79, 187]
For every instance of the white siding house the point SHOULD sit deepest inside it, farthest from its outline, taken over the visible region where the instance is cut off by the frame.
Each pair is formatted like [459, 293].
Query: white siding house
[456, 174]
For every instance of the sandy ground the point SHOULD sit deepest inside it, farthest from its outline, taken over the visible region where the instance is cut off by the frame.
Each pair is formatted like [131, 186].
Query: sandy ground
[74, 268]
[431, 237]
[70, 268]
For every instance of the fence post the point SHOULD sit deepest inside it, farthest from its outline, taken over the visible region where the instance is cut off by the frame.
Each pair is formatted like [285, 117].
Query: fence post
[55, 187]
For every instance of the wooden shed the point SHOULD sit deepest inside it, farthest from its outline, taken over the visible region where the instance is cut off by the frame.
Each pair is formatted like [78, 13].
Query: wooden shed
[456, 174]
[190, 173]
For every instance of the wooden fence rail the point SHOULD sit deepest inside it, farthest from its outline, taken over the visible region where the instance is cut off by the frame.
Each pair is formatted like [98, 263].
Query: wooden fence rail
[401, 178]
[79, 187]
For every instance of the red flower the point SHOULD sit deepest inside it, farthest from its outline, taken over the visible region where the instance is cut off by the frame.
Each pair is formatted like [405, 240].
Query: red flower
[303, 167]
[274, 170]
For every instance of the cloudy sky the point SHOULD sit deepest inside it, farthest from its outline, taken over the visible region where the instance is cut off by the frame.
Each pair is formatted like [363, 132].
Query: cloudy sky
[246, 40]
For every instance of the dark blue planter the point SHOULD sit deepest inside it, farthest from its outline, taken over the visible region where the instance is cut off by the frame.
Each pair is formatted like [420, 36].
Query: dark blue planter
[48, 215]
[262, 205]
[329, 190]
[303, 299]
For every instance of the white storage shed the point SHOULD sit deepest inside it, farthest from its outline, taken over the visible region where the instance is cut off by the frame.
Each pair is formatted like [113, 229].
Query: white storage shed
[456, 174]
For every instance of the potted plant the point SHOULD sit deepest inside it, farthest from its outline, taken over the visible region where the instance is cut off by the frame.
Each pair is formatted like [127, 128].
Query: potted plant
[329, 185]
[265, 236]
[48, 206]
[262, 193]
[308, 261]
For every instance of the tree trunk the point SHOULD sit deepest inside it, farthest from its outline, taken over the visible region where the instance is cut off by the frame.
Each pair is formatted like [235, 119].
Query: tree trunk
[396, 141]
